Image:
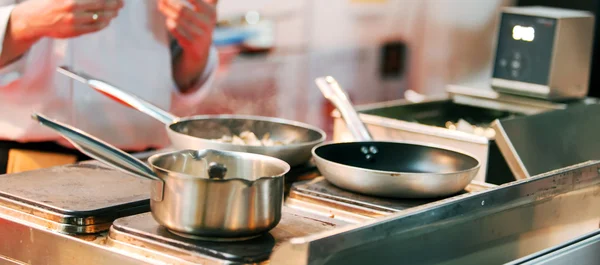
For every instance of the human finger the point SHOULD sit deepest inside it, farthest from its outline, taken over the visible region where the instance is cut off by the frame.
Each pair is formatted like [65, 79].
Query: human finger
[204, 7]
[91, 17]
[98, 5]
[183, 38]
[81, 29]
[185, 15]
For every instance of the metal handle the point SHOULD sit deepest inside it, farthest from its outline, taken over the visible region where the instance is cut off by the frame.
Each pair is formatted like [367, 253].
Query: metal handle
[120, 96]
[338, 97]
[104, 152]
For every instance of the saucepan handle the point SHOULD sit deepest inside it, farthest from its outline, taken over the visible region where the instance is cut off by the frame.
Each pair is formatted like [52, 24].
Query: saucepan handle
[120, 96]
[104, 152]
[338, 97]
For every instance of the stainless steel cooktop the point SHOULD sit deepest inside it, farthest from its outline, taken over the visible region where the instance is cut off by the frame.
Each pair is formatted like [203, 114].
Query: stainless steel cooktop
[142, 235]
[111, 209]
[74, 199]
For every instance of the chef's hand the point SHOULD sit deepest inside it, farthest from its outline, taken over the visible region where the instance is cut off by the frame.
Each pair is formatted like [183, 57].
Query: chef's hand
[191, 23]
[63, 18]
[32, 20]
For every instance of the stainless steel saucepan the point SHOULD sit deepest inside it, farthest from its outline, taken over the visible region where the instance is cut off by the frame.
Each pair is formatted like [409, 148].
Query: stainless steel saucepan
[200, 132]
[388, 169]
[200, 194]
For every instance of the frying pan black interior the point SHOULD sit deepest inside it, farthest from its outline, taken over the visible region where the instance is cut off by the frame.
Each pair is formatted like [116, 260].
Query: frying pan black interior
[397, 157]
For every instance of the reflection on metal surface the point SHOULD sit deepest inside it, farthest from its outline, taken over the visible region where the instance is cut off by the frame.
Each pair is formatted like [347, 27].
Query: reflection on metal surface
[32, 244]
[490, 227]
[247, 202]
[141, 235]
[9, 261]
[81, 198]
[580, 251]
[548, 141]
[325, 198]
[490, 99]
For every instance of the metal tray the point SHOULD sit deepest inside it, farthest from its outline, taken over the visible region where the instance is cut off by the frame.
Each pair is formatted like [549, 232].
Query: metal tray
[80, 198]
[548, 141]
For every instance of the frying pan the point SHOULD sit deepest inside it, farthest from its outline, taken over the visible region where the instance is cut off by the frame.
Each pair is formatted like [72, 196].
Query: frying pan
[388, 169]
[199, 194]
[196, 132]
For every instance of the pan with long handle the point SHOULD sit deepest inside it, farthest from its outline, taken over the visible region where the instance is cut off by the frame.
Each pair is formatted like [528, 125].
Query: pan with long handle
[199, 132]
[388, 169]
[200, 194]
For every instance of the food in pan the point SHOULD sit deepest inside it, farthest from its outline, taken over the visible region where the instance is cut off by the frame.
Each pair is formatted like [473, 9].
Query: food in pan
[465, 126]
[249, 138]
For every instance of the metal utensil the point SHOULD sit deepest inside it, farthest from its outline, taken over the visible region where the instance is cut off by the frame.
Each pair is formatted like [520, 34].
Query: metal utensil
[388, 169]
[206, 194]
[196, 132]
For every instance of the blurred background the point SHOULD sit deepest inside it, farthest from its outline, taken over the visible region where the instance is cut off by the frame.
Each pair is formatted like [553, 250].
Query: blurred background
[271, 51]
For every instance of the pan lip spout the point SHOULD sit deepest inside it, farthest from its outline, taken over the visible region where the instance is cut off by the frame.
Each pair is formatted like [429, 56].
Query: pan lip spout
[322, 133]
[282, 166]
[394, 173]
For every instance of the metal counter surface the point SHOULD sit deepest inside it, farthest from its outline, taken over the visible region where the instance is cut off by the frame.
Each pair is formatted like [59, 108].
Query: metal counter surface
[494, 226]
[489, 227]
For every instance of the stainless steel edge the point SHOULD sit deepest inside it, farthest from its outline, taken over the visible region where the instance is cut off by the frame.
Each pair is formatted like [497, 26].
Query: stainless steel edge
[581, 251]
[498, 105]
[156, 251]
[509, 153]
[9, 261]
[568, 185]
[395, 102]
[34, 244]
[332, 91]
[491, 99]
[419, 128]
[55, 225]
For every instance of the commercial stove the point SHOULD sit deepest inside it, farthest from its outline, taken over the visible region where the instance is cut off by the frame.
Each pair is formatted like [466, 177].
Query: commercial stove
[88, 213]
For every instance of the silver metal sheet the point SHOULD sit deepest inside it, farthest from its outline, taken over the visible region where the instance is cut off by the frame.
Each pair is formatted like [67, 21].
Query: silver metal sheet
[548, 141]
[74, 195]
[141, 235]
[23, 243]
[490, 227]
[581, 251]
[490, 99]
[320, 192]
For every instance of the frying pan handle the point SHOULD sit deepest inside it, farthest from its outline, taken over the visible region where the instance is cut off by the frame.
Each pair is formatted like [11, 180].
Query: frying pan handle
[338, 97]
[104, 152]
[120, 96]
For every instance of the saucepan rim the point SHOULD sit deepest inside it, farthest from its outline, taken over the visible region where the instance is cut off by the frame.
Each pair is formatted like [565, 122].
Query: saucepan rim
[283, 166]
[281, 121]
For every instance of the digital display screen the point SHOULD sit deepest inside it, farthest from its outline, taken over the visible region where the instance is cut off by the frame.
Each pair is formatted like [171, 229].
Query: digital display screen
[523, 33]
[524, 50]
